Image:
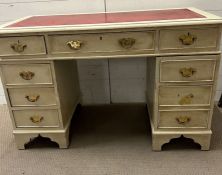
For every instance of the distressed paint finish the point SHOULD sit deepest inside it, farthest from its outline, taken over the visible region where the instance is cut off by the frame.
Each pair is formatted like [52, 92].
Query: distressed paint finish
[13, 9]
[174, 104]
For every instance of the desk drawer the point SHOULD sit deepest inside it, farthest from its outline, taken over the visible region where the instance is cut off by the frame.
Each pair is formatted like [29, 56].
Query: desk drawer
[185, 95]
[183, 119]
[27, 74]
[27, 45]
[32, 96]
[104, 42]
[188, 39]
[188, 69]
[36, 118]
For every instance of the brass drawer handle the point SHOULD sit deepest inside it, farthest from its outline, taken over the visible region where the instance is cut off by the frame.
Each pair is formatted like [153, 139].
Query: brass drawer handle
[32, 98]
[187, 72]
[187, 39]
[127, 43]
[186, 99]
[183, 119]
[27, 75]
[18, 47]
[36, 119]
[75, 45]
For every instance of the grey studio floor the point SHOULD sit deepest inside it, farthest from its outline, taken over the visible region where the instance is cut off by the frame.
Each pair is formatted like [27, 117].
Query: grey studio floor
[109, 140]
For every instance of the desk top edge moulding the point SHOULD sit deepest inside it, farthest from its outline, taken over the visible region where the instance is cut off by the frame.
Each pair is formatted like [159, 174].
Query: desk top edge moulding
[38, 59]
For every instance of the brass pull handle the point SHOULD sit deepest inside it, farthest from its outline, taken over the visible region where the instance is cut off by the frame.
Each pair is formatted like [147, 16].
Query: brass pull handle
[127, 43]
[75, 45]
[187, 39]
[18, 47]
[36, 119]
[187, 72]
[186, 99]
[32, 98]
[27, 75]
[183, 119]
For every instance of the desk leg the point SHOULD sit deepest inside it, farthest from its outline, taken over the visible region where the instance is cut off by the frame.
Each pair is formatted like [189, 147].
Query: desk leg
[161, 138]
[60, 137]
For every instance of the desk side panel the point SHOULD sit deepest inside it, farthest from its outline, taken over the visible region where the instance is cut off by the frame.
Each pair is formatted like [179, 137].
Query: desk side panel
[66, 76]
[152, 91]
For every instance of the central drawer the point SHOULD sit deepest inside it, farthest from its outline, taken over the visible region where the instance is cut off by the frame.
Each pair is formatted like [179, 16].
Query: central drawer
[183, 119]
[32, 96]
[104, 42]
[185, 95]
[36, 118]
[26, 74]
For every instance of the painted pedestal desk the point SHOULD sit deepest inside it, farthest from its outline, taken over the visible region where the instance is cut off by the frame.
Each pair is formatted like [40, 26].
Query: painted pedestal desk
[38, 68]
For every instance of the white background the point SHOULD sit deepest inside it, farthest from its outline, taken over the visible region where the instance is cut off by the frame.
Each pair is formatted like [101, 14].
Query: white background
[127, 76]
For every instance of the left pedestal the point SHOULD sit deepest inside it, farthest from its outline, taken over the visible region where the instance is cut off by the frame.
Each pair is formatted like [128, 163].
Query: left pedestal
[41, 97]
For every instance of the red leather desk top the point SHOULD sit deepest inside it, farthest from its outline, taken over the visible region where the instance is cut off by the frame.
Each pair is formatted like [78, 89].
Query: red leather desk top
[99, 18]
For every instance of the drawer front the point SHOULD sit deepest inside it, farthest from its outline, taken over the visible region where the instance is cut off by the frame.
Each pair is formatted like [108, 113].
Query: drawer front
[185, 70]
[27, 45]
[36, 118]
[190, 39]
[32, 96]
[104, 42]
[183, 119]
[185, 95]
[26, 74]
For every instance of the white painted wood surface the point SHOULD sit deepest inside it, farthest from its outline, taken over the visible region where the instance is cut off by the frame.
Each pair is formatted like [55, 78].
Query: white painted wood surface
[127, 76]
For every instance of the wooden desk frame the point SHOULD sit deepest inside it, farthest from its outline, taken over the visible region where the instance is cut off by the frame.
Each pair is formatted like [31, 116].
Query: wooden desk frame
[53, 66]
